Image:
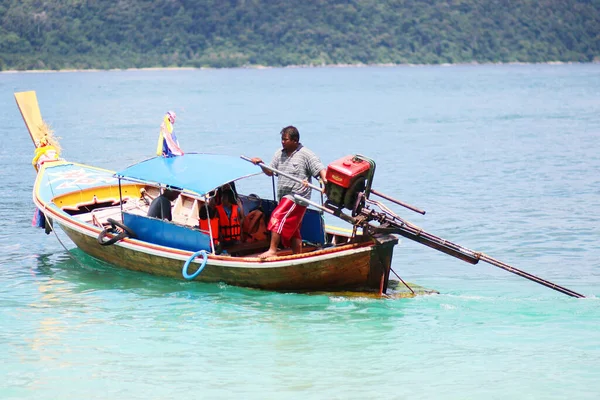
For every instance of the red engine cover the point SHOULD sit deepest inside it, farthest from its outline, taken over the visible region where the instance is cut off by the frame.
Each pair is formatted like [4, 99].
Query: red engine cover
[342, 171]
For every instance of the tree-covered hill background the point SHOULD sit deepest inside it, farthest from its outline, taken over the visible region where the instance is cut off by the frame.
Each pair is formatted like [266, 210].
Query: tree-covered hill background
[65, 34]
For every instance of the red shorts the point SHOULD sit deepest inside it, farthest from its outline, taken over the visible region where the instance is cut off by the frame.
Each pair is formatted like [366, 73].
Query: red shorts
[286, 220]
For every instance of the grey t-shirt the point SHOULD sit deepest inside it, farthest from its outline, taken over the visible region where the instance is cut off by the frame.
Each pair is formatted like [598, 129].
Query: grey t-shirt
[302, 164]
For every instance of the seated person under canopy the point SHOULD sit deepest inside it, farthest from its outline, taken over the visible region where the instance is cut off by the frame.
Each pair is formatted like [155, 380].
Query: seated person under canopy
[208, 220]
[161, 206]
[230, 214]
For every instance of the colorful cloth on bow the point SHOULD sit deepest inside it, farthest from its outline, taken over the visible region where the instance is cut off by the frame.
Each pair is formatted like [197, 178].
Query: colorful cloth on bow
[168, 145]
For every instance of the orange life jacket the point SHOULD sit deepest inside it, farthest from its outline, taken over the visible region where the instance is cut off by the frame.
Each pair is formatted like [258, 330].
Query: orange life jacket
[254, 226]
[214, 226]
[229, 228]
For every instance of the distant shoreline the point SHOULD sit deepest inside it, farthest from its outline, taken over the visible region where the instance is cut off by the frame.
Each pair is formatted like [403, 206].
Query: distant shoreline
[289, 66]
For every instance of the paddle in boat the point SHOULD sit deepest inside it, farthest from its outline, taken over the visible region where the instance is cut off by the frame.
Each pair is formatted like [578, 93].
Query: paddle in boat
[105, 213]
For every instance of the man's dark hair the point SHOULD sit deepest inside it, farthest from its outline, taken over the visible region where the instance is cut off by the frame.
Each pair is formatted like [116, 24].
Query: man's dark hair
[293, 133]
[228, 194]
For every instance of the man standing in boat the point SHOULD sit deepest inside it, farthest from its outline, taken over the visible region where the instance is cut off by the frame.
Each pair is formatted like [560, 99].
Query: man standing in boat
[168, 145]
[296, 160]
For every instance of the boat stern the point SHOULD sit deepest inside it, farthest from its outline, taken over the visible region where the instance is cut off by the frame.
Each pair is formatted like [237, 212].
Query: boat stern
[381, 262]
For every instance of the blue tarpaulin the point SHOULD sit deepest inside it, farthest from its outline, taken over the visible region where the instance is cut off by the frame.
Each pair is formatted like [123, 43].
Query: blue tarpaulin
[199, 173]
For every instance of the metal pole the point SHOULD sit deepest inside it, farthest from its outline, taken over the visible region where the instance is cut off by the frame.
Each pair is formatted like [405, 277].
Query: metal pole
[335, 213]
[263, 165]
[415, 209]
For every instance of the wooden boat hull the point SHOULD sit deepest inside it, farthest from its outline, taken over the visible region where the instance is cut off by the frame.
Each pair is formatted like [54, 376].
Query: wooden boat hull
[81, 199]
[363, 266]
[359, 267]
[64, 189]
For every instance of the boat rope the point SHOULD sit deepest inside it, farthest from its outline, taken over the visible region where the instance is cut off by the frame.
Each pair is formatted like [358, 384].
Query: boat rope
[49, 224]
[184, 271]
[50, 227]
[402, 280]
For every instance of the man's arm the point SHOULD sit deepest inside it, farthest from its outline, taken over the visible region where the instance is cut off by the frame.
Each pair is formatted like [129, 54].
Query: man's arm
[323, 175]
[256, 161]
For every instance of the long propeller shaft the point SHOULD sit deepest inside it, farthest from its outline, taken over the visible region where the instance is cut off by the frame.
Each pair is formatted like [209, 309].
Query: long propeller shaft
[414, 233]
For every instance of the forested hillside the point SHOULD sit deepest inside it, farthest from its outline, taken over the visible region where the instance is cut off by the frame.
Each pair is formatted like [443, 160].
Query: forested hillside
[60, 34]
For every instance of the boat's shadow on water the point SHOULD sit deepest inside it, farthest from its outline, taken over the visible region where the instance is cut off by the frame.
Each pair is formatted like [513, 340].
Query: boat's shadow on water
[75, 275]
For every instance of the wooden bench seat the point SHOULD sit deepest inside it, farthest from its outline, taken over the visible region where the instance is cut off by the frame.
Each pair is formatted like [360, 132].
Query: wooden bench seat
[99, 216]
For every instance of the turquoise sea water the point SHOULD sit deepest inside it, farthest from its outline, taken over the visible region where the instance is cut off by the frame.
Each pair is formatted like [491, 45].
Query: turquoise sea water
[504, 159]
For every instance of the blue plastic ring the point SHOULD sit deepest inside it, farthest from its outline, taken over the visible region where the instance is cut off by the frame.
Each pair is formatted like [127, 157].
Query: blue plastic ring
[187, 264]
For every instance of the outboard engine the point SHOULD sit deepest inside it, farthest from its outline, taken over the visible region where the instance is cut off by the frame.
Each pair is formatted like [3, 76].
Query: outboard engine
[346, 179]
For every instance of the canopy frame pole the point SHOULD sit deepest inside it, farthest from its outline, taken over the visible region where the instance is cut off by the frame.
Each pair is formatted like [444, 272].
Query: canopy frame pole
[210, 234]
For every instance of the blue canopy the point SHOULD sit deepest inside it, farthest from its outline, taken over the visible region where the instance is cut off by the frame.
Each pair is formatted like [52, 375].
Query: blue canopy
[199, 173]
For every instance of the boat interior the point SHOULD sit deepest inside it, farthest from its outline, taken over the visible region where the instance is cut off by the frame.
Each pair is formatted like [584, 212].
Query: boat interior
[129, 206]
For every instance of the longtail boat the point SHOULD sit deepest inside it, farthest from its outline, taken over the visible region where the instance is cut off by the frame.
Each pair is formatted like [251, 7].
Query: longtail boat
[105, 213]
